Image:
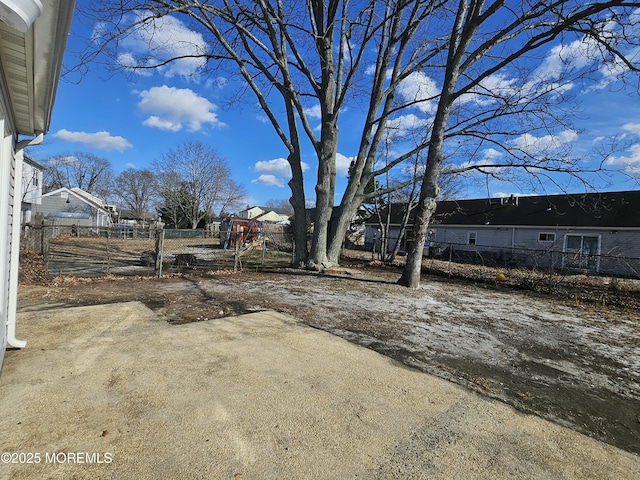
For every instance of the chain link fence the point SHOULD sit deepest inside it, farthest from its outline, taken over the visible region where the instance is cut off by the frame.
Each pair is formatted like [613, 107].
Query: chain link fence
[548, 260]
[131, 250]
[93, 252]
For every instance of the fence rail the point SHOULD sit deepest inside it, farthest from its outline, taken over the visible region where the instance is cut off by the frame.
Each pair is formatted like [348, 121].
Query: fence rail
[93, 252]
[553, 259]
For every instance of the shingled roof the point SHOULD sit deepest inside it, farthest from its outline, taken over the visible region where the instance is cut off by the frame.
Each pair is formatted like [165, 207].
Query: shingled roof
[609, 210]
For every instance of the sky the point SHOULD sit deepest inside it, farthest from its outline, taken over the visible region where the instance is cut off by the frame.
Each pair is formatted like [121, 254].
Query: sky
[133, 120]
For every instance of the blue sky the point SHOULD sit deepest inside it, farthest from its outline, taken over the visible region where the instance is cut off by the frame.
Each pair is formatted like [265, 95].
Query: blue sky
[133, 120]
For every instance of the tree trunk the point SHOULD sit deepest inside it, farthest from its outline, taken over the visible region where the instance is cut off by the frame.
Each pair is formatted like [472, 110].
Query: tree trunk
[297, 201]
[325, 191]
[427, 200]
[323, 17]
[426, 203]
[413, 266]
[461, 36]
[339, 227]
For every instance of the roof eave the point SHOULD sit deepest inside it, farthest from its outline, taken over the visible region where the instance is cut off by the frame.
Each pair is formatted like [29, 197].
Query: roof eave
[51, 30]
[32, 62]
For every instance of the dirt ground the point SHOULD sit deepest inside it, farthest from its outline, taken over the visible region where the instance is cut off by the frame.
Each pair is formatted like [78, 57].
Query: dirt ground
[572, 357]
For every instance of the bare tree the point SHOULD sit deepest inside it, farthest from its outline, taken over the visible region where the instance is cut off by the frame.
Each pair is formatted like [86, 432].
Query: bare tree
[453, 80]
[136, 189]
[83, 170]
[281, 204]
[196, 178]
[478, 55]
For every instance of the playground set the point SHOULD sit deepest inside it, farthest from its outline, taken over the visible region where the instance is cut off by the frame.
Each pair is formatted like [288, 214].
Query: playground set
[244, 235]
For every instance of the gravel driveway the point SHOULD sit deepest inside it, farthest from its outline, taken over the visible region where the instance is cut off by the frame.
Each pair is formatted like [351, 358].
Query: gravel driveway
[577, 364]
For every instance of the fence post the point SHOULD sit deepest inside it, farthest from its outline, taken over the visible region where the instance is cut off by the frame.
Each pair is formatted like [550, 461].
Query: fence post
[239, 242]
[44, 243]
[159, 232]
[108, 253]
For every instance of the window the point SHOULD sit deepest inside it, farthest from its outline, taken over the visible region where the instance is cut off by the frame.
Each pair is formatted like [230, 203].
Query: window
[471, 238]
[582, 251]
[546, 237]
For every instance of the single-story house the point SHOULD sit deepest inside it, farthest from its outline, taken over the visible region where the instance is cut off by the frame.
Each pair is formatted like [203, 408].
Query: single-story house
[265, 214]
[596, 232]
[67, 206]
[33, 36]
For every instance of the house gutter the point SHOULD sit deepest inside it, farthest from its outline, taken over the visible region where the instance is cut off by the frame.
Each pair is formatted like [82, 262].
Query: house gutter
[15, 242]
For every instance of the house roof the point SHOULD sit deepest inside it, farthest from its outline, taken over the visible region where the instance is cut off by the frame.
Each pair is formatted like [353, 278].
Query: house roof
[33, 163]
[609, 209]
[279, 211]
[80, 195]
[97, 202]
[31, 62]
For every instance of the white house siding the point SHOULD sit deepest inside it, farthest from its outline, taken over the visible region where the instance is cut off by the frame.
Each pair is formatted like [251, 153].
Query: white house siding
[31, 189]
[617, 253]
[29, 65]
[371, 235]
[621, 252]
[7, 187]
[497, 239]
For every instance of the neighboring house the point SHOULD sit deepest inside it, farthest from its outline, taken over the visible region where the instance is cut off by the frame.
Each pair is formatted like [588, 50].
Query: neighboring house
[73, 206]
[31, 187]
[598, 232]
[250, 212]
[33, 35]
[125, 216]
[265, 214]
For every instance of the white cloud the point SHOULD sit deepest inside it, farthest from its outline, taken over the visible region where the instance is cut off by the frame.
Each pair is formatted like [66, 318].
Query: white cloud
[275, 172]
[268, 180]
[535, 145]
[169, 108]
[404, 124]
[68, 160]
[313, 112]
[160, 39]
[489, 156]
[278, 166]
[561, 58]
[343, 163]
[497, 85]
[632, 127]
[157, 122]
[418, 87]
[128, 61]
[99, 140]
[631, 162]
